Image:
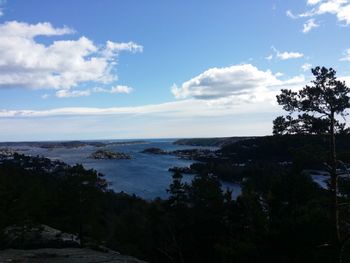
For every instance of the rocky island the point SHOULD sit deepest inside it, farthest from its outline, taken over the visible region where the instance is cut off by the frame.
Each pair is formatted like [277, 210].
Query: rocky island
[154, 150]
[105, 154]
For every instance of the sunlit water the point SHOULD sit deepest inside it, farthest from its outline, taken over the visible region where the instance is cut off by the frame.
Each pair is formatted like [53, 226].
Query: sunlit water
[145, 175]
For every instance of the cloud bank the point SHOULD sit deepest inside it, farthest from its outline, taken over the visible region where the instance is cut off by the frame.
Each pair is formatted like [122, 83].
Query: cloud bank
[238, 83]
[224, 96]
[62, 65]
[217, 91]
[66, 93]
[309, 25]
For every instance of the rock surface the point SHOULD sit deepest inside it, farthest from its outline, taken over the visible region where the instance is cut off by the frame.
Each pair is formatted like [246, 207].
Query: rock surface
[44, 244]
[104, 154]
[65, 255]
[36, 236]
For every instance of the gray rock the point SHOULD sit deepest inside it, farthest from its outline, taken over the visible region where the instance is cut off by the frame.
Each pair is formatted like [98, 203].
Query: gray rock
[104, 154]
[64, 255]
[37, 236]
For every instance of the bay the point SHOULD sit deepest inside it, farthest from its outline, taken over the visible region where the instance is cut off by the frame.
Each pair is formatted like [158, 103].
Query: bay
[145, 175]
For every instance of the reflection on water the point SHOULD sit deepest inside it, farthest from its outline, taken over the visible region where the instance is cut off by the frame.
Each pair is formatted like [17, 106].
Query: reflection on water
[145, 175]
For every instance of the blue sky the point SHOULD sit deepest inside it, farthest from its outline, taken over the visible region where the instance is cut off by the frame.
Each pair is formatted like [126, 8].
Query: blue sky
[89, 69]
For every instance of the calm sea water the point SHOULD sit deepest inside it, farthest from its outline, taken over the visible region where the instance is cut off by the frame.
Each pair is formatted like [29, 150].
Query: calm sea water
[145, 175]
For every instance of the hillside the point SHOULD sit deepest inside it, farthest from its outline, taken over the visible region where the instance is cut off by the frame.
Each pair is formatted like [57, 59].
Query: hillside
[214, 142]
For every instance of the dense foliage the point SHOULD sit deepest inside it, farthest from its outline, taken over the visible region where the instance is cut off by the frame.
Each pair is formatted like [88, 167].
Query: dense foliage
[303, 151]
[280, 216]
[318, 105]
[314, 108]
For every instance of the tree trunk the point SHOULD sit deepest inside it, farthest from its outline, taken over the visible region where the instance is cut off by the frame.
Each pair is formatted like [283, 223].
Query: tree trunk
[336, 239]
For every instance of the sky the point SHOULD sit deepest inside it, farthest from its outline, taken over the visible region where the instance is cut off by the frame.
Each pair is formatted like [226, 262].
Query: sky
[125, 69]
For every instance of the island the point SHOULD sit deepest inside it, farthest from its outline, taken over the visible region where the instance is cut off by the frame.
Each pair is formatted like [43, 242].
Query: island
[154, 150]
[105, 154]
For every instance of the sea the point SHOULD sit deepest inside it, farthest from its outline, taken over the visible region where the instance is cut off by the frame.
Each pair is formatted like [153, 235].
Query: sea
[145, 175]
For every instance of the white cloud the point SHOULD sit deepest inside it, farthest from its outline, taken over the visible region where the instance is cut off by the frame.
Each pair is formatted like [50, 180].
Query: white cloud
[121, 89]
[29, 31]
[223, 96]
[346, 55]
[306, 66]
[269, 57]
[184, 108]
[133, 127]
[343, 14]
[45, 96]
[339, 8]
[72, 93]
[113, 47]
[63, 64]
[284, 55]
[330, 6]
[313, 2]
[279, 74]
[236, 84]
[291, 15]
[216, 92]
[309, 25]
[287, 55]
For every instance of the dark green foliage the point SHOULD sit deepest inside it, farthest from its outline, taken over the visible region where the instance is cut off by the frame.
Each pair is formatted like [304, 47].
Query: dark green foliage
[318, 107]
[177, 190]
[318, 104]
[35, 190]
[215, 142]
[271, 148]
[307, 151]
[280, 216]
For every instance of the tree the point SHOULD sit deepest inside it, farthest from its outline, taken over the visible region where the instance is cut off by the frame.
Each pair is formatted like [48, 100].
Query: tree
[177, 191]
[316, 109]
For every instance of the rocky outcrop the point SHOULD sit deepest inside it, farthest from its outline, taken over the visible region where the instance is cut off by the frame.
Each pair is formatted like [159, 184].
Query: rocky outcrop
[154, 150]
[44, 244]
[104, 154]
[37, 236]
[65, 255]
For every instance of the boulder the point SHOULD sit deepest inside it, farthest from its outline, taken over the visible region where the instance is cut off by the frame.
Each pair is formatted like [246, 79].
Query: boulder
[38, 236]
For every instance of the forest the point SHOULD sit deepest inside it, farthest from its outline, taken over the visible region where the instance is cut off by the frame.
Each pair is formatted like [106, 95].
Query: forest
[280, 216]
